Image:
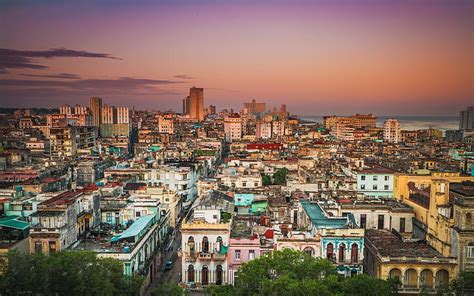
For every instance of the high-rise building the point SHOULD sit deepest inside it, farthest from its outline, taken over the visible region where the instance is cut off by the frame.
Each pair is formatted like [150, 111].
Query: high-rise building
[80, 110]
[254, 107]
[233, 127]
[107, 115]
[186, 106]
[196, 103]
[391, 131]
[123, 115]
[95, 106]
[466, 119]
[65, 109]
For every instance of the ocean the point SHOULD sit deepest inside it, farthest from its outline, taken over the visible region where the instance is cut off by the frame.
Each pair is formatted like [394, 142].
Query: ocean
[410, 122]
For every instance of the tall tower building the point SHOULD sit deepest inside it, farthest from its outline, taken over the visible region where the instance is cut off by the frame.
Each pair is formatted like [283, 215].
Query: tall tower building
[107, 115]
[466, 119]
[95, 106]
[186, 106]
[196, 103]
[123, 115]
[65, 109]
[391, 131]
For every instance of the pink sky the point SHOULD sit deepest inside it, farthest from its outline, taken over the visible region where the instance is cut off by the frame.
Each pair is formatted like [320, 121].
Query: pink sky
[318, 57]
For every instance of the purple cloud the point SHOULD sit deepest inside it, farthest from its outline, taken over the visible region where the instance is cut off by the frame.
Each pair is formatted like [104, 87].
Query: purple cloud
[24, 59]
[183, 76]
[57, 76]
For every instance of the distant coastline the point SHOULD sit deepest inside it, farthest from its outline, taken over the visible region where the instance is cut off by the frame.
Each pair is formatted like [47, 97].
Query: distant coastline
[409, 122]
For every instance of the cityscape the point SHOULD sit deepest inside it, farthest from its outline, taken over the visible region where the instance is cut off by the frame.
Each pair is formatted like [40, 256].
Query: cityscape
[253, 174]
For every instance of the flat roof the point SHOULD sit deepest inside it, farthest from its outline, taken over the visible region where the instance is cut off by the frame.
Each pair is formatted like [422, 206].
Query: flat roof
[320, 219]
[13, 222]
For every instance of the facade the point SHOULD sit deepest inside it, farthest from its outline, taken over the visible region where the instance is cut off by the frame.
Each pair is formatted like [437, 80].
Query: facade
[65, 109]
[442, 203]
[66, 141]
[205, 241]
[254, 107]
[417, 266]
[391, 131]
[196, 103]
[466, 119]
[95, 107]
[376, 181]
[355, 121]
[233, 128]
[107, 115]
[166, 124]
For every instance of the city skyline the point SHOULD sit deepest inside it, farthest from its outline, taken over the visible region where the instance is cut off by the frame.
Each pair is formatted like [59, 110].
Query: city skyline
[322, 57]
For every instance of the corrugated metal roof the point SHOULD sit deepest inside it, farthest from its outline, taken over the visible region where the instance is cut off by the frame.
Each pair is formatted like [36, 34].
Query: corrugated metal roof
[320, 219]
[12, 222]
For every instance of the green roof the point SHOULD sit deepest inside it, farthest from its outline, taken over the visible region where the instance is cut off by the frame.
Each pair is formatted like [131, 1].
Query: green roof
[138, 228]
[319, 218]
[13, 222]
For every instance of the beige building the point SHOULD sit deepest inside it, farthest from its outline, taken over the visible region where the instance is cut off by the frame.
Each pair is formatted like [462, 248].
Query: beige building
[196, 103]
[391, 131]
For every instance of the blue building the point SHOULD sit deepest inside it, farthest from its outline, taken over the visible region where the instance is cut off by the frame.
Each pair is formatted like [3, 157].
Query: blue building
[342, 240]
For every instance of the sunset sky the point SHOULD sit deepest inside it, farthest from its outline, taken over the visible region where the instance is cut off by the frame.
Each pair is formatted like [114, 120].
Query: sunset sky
[404, 57]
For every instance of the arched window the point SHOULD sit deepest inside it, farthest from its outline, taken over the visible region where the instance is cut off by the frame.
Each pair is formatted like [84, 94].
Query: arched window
[330, 251]
[354, 253]
[218, 244]
[411, 278]
[442, 278]
[191, 247]
[191, 273]
[342, 252]
[219, 275]
[468, 219]
[205, 275]
[205, 245]
[426, 278]
[395, 273]
[309, 251]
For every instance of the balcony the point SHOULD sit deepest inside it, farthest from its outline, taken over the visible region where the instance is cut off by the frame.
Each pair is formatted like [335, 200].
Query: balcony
[219, 257]
[204, 256]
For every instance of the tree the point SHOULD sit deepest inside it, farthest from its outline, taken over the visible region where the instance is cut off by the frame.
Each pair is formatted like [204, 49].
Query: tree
[66, 273]
[289, 272]
[266, 180]
[170, 290]
[463, 284]
[279, 178]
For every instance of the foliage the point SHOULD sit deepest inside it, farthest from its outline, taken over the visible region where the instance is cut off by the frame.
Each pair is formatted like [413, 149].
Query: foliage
[266, 180]
[279, 178]
[463, 284]
[170, 290]
[291, 272]
[66, 273]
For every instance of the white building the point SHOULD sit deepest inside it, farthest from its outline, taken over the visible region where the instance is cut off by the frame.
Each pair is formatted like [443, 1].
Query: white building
[166, 124]
[391, 131]
[107, 115]
[233, 128]
[264, 130]
[376, 181]
[205, 240]
[123, 115]
[65, 109]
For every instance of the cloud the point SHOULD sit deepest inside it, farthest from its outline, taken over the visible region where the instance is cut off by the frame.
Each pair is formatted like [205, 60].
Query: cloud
[24, 59]
[57, 76]
[183, 76]
[15, 91]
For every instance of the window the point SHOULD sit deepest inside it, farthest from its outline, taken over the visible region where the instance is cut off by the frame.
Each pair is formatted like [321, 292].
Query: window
[363, 220]
[385, 187]
[354, 253]
[52, 247]
[468, 219]
[380, 224]
[470, 252]
[190, 273]
[402, 224]
[251, 254]
[108, 217]
[219, 275]
[330, 251]
[375, 178]
[362, 178]
[342, 252]
[386, 178]
[38, 247]
[205, 245]
[244, 184]
[374, 187]
[362, 186]
[237, 254]
[138, 214]
[255, 184]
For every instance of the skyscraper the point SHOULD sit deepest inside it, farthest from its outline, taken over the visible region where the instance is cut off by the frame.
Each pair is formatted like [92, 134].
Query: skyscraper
[466, 119]
[391, 131]
[95, 106]
[186, 106]
[196, 103]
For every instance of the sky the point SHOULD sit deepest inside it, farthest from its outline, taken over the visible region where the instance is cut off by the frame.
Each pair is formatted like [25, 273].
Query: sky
[387, 57]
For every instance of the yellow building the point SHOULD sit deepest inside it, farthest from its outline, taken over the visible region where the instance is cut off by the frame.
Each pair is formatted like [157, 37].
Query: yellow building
[416, 265]
[442, 203]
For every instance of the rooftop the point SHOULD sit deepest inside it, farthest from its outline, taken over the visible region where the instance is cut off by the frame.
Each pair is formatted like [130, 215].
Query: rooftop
[320, 219]
[389, 244]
